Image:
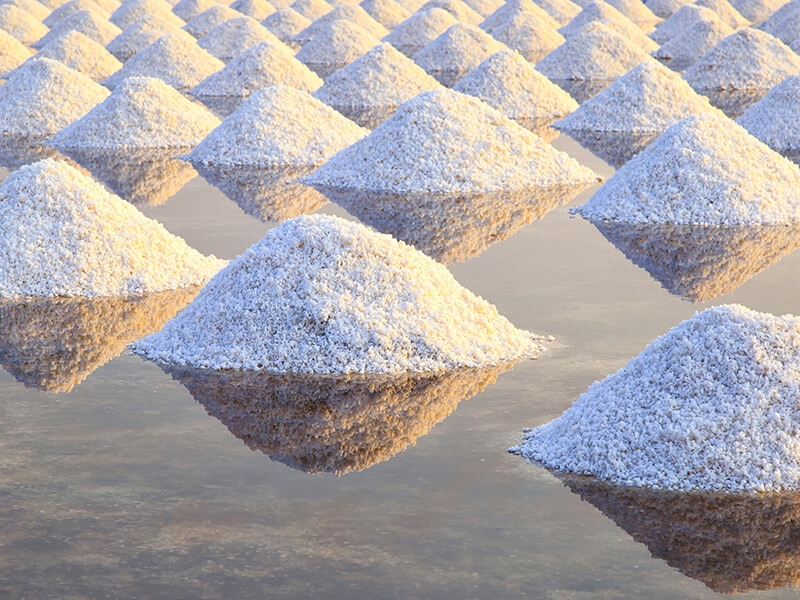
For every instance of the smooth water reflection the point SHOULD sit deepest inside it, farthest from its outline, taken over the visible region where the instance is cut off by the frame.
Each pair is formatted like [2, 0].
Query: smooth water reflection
[614, 147]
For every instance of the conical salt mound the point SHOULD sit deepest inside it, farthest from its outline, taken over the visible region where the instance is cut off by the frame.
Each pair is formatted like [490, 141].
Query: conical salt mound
[440, 141]
[779, 16]
[109, 5]
[70, 8]
[131, 11]
[278, 126]
[757, 11]
[43, 96]
[141, 113]
[20, 24]
[331, 296]
[311, 9]
[147, 30]
[285, 24]
[702, 170]
[260, 67]
[82, 54]
[12, 52]
[682, 20]
[174, 58]
[484, 7]
[708, 406]
[648, 98]
[685, 49]
[87, 22]
[563, 11]
[207, 20]
[420, 28]
[382, 78]
[515, 8]
[528, 36]
[726, 12]
[460, 10]
[189, 9]
[602, 12]
[748, 59]
[63, 234]
[666, 8]
[788, 29]
[637, 11]
[509, 83]
[338, 44]
[354, 14]
[257, 9]
[386, 12]
[773, 119]
[34, 8]
[229, 39]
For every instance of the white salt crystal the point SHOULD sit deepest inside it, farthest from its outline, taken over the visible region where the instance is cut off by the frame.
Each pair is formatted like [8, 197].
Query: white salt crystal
[70, 8]
[563, 11]
[529, 36]
[666, 8]
[788, 29]
[12, 53]
[602, 12]
[285, 24]
[87, 22]
[207, 20]
[319, 294]
[229, 39]
[145, 31]
[338, 44]
[680, 22]
[419, 29]
[687, 48]
[443, 141]
[708, 406]
[175, 58]
[460, 10]
[257, 9]
[20, 24]
[82, 54]
[43, 96]
[142, 112]
[726, 12]
[702, 170]
[757, 11]
[354, 14]
[189, 9]
[516, 8]
[311, 9]
[34, 8]
[64, 234]
[773, 119]
[131, 10]
[386, 12]
[278, 126]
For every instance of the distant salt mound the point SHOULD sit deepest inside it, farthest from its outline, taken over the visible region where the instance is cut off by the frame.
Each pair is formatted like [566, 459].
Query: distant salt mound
[515, 8]
[175, 58]
[602, 12]
[386, 12]
[70, 8]
[788, 29]
[189, 9]
[649, 98]
[278, 126]
[139, 36]
[82, 54]
[335, 46]
[87, 22]
[43, 96]
[666, 8]
[285, 24]
[528, 36]
[131, 11]
[12, 53]
[311, 9]
[34, 8]
[708, 406]
[142, 112]
[747, 59]
[460, 10]
[563, 11]
[64, 234]
[509, 83]
[484, 7]
[437, 142]
[773, 119]
[207, 20]
[703, 170]
[420, 28]
[685, 49]
[337, 297]
[779, 16]
[257, 9]
[20, 24]
[229, 39]
[354, 14]
[637, 11]
[680, 22]
[109, 5]
[726, 12]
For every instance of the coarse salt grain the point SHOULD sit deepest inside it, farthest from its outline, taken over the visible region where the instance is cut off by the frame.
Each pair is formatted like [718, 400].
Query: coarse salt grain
[773, 119]
[515, 8]
[131, 11]
[528, 36]
[460, 10]
[419, 29]
[82, 54]
[682, 20]
[34, 8]
[70, 8]
[637, 11]
[788, 29]
[726, 12]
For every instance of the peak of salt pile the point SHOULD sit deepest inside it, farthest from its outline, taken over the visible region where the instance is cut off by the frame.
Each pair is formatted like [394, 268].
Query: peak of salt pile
[229, 39]
[528, 36]
[747, 59]
[337, 297]
[207, 20]
[34, 8]
[756, 11]
[439, 142]
[386, 12]
[382, 78]
[666, 8]
[460, 10]
[788, 29]
[20, 24]
[64, 234]
[515, 8]
[773, 119]
[685, 49]
[139, 36]
[602, 12]
[338, 44]
[726, 12]
[710, 405]
[648, 98]
[87, 22]
[12, 53]
[189, 9]
[563, 11]
[70, 8]
[260, 67]
[43, 95]
[484, 7]
[684, 18]
[131, 11]
[278, 126]
[456, 52]
[703, 170]
[311, 9]
[142, 112]
[175, 58]
[355, 14]
[509, 83]
[637, 11]
[285, 24]
[258, 9]
[419, 29]
[779, 15]
[82, 54]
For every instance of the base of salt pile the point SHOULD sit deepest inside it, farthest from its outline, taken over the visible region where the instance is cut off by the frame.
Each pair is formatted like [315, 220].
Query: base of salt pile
[319, 294]
[709, 406]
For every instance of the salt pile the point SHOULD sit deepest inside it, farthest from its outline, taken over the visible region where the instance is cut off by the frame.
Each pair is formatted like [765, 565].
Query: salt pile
[63, 234]
[460, 10]
[337, 45]
[788, 29]
[82, 54]
[20, 24]
[419, 29]
[484, 7]
[747, 59]
[602, 12]
[702, 170]
[354, 14]
[773, 119]
[260, 67]
[34, 8]
[516, 8]
[43, 96]
[12, 53]
[386, 12]
[285, 24]
[443, 141]
[563, 11]
[779, 15]
[648, 98]
[525, 34]
[174, 58]
[139, 36]
[509, 83]
[726, 12]
[330, 296]
[206, 21]
[666, 8]
[257, 9]
[757, 11]
[637, 11]
[382, 78]
[685, 49]
[189, 9]
[229, 39]
[311, 9]
[684, 18]
[710, 405]
[87, 22]
[131, 11]
[278, 126]
[142, 112]
[70, 8]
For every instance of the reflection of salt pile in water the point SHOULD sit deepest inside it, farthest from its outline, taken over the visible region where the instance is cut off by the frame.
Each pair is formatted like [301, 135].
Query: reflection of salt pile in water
[773, 119]
[20, 24]
[78, 52]
[602, 12]
[731, 543]
[334, 46]
[438, 142]
[285, 24]
[420, 28]
[54, 344]
[145, 31]
[687, 48]
[332, 424]
[63, 234]
[278, 126]
[614, 147]
[229, 39]
[708, 406]
[702, 170]
[701, 262]
[87, 22]
[207, 20]
[12, 53]
[322, 295]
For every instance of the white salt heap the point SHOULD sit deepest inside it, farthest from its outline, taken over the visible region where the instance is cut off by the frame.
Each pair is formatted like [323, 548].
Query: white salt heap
[131, 11]
[666, 8]
[43, 96]
[509, 83]
[382, 78]
[257, 9]
[319, 294]
[682, 20]
[709, 406]
[649, 98]
[386, 12]
[337, 45]
[70, 8]
[285, 24]
[687, 48]
[773, 119]
[311, 9]
[726, 12]
[788, 29]
[20, 24]
[87, 22]
[757, 11]
[637, 11]
[443, 141]
[34, 8]
[515, 8]
[704, 170]
[12, 52]
[460, 10]
[747, 59]
[229, 39]
[354, 14]
[484, 7]
[64, 234]
[419, 29]
[142, 112]
[108, 5]
[139, 36]
[82, 54]
[278, 126]
[527, 35]
[174, 58]
[189, 9]
[563, 11]
[207, 20]
[777, 17]
[602, 12]
[260, 67]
